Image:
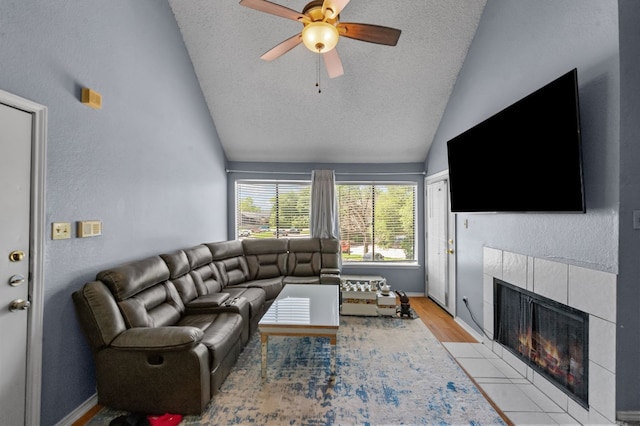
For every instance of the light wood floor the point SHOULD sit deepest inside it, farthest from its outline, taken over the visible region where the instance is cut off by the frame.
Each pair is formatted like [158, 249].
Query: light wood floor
[440, 322]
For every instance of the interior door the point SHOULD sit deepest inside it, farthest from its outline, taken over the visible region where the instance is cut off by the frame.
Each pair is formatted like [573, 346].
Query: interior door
[15, 204]
[440, 277]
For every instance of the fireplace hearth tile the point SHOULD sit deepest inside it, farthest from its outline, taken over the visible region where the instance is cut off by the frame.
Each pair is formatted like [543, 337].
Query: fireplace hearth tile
[505, 368]
[463, 350]
[509, 398]
[562, 418]
[485, 350]
[527, 418]
[558, 396]
[477, 367]
[541, 400]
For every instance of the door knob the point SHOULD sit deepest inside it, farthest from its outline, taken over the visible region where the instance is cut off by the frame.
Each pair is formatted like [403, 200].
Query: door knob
[19, 305]
[450, 251]
[16, 255]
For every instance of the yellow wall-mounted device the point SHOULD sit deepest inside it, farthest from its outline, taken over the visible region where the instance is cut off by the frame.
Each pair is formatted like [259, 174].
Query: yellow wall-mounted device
[91, 98]
[89, 228]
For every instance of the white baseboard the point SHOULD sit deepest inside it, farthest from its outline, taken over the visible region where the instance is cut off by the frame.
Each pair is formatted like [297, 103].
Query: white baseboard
[80, 411]
[628, 416]
[469, 329]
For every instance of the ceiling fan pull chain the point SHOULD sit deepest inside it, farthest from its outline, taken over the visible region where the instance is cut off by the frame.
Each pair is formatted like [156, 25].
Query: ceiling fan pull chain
[318, 72]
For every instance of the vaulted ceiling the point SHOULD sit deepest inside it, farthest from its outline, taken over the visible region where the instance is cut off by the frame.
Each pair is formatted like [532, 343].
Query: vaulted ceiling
[384, 109]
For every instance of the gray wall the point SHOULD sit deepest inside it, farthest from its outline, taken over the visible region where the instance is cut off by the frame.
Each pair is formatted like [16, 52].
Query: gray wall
[149, 164]
[628, 336]
[518, 48]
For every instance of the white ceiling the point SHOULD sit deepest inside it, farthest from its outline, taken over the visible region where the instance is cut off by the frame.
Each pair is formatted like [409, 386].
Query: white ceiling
[384, 109]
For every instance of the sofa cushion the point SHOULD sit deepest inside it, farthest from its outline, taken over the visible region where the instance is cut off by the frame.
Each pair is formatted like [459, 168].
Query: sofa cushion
[179, 267]
[304, 257]
[198, 256]
[229, 261]
[131, 278]
[221, 331]
[270, 286]
[157, 306]
[206, 279]
[266, 258]
[307, 279]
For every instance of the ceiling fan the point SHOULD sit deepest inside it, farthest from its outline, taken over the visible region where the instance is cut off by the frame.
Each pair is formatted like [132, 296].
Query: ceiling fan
[322, 30]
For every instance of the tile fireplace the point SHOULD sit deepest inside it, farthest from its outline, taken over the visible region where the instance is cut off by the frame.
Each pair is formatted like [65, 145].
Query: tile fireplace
[582, 382]
[550, 337]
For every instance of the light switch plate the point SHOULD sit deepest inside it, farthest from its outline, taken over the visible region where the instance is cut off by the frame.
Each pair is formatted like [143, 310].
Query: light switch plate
[89, 228]
[60, 230]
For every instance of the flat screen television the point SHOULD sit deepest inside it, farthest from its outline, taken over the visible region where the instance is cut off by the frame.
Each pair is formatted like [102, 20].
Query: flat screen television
[525, 158]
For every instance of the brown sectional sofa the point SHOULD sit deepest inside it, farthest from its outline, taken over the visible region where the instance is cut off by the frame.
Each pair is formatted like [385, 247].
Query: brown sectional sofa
[165, 331]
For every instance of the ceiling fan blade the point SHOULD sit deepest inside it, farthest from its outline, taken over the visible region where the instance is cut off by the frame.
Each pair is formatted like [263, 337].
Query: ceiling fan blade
[333, 63]
[272, 8]
[369, 32]
[282, 48]
[335, 7]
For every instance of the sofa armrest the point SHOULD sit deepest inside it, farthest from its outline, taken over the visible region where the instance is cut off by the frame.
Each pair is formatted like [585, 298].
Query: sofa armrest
[208, 301]
[156, 339]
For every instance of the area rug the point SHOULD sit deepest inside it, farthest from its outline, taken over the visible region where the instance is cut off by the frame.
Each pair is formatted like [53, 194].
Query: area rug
[390, 371]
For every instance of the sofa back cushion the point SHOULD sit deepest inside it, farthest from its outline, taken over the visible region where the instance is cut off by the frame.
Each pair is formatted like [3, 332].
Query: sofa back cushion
[143, 293]
[331, 257]
[229, 261]
[203, 271]
[304, 257]
[131, 278]
[157, 306]
[266, 258]
[179, 268]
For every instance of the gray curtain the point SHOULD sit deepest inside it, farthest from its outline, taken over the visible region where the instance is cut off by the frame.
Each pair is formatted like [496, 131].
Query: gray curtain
[324, 205]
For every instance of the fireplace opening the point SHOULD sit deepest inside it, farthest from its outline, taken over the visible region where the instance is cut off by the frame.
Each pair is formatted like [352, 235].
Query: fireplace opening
[550, 337]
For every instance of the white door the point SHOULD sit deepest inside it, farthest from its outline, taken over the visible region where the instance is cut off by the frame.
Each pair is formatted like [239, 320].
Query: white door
[15, 205]
[440, 284]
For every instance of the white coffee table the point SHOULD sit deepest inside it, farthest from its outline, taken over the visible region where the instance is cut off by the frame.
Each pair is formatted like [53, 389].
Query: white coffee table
[302, 310]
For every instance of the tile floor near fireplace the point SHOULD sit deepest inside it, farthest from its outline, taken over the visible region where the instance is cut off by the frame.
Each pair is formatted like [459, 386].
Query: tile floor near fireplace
[517, 398]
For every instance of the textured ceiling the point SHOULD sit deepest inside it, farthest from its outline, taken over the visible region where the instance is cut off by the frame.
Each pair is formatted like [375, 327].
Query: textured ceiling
[384, 109]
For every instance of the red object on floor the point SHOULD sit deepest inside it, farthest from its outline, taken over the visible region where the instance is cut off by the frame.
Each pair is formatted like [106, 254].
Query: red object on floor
[165, 419]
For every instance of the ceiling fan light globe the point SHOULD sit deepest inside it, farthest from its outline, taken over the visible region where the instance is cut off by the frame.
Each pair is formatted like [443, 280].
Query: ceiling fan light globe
[320, 37]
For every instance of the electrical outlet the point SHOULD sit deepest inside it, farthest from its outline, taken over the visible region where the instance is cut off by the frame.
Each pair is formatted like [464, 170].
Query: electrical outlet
[60, 230]
[464, 299]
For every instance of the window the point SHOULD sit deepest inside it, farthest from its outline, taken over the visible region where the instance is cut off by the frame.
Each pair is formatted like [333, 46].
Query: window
[377, 222]
[272, 209]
